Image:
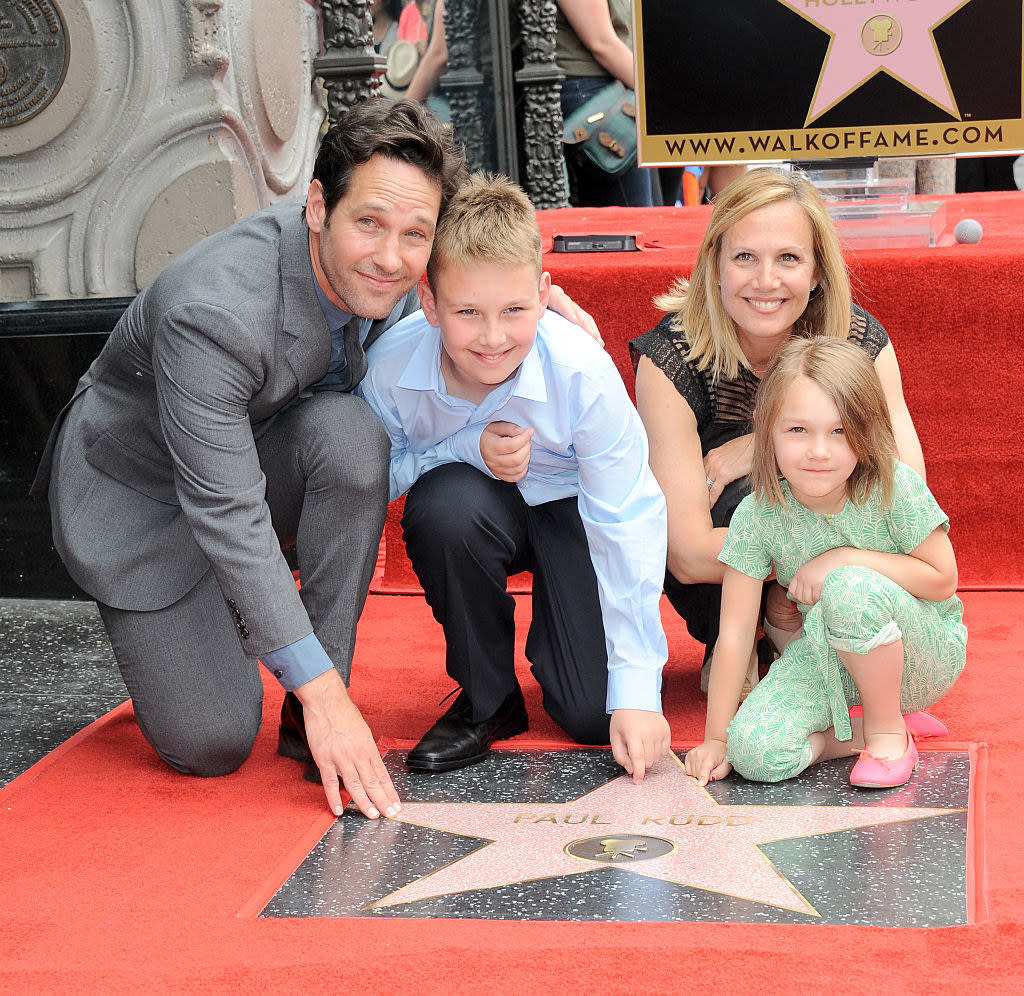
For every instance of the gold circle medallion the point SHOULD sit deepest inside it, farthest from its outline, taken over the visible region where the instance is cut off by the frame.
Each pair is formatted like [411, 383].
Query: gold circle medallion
[881, 34]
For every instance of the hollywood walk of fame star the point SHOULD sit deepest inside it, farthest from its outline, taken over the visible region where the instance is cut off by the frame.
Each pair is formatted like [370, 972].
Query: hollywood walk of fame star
[667, 828]
[867, 41]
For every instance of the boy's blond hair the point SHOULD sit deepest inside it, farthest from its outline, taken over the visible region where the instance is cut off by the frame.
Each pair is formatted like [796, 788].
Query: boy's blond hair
[696, 304]
[847, 375]
[489, 219]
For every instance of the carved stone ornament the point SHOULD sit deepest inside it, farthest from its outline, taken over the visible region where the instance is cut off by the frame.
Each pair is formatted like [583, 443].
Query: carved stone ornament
[349, 66]
[207, 47]
[464, 83]
[540, 79]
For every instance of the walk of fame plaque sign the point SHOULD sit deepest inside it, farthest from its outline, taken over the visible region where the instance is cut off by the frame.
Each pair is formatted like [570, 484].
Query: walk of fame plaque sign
[34, 54]
[563, 835]
[783, 80]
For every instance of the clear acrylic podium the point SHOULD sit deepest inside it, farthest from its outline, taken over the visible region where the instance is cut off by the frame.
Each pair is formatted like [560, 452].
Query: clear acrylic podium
[875, 212]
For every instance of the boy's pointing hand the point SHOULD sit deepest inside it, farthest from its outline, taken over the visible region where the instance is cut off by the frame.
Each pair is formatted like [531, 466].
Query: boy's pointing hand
[639, 740]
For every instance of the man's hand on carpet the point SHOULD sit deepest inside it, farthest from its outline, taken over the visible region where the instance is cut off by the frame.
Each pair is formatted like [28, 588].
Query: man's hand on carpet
[343, 747]
[639, 740]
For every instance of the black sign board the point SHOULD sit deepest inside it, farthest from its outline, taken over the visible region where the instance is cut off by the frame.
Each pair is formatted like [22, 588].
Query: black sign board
[781, 80]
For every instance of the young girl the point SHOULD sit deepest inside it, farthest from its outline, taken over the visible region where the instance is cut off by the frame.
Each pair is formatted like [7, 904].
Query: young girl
[862, 546]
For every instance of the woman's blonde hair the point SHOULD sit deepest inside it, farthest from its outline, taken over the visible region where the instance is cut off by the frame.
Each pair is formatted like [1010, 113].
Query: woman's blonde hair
[847, 375]
[696, 304]
[489, 219]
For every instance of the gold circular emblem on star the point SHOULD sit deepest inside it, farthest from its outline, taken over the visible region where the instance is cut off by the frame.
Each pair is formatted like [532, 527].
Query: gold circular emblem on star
[881, 34]
[619, 849]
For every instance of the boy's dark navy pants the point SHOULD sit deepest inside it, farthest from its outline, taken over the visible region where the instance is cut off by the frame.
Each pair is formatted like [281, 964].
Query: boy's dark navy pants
[465, 534]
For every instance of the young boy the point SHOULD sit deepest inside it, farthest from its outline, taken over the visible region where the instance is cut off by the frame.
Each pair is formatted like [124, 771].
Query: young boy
[514, 436]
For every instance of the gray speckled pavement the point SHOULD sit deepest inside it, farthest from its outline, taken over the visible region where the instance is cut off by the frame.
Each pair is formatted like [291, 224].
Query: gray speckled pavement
[57, 674]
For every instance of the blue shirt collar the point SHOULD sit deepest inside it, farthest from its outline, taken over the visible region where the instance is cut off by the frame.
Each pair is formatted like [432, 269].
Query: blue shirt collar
[423, 372]
[336, 317]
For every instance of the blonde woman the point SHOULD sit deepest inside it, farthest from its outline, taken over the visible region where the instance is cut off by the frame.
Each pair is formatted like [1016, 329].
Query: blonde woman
[769, 268]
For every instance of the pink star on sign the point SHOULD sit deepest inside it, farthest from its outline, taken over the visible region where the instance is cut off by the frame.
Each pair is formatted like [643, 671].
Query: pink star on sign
[871, 38]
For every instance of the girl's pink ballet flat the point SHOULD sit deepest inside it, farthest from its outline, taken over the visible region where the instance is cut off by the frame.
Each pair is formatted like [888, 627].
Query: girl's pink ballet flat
[921, 724]
[884, 772]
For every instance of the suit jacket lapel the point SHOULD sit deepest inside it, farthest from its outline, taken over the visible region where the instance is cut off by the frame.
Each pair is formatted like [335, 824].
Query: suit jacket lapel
[303, 319]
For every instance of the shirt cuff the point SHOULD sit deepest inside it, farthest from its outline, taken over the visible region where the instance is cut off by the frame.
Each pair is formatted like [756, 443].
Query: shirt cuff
[297, 663]
[634, 688]
[465, 447]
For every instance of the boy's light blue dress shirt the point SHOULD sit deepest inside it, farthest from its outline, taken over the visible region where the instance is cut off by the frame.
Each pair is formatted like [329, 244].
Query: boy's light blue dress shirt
[588, 442]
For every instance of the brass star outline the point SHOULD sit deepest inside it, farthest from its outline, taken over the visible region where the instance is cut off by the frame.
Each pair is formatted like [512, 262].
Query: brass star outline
[715, 847]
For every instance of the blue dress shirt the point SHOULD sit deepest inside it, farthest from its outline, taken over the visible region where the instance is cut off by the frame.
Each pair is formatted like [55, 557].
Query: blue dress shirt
[337, 319]
[588, 441]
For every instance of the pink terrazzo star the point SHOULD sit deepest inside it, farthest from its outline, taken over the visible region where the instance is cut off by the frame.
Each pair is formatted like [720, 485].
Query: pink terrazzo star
[707, 846]
[871, 38]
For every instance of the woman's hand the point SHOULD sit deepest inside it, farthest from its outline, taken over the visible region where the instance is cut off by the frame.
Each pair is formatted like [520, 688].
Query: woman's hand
[559, 301]
[727, 463]
[780, 611]
[707, 762]
[806, 584]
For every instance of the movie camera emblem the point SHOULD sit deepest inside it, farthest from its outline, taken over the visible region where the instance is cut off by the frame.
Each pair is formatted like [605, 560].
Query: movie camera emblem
[881, 35]
[621, 849]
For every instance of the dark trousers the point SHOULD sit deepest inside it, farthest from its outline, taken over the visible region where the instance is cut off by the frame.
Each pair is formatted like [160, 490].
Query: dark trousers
[197, 694]
[465, 534]
[700, 605]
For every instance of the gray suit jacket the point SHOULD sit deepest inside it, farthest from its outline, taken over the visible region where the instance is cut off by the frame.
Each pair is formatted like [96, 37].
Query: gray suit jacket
[159, 476]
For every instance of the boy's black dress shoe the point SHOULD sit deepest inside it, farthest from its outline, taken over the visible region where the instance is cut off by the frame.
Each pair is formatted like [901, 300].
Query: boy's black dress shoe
[291, 737]
[454, 741]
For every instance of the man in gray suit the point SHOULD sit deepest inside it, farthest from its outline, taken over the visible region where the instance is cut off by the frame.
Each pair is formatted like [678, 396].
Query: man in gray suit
[217, 425]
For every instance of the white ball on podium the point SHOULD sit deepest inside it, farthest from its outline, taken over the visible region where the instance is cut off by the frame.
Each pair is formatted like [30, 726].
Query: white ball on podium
[967, 231]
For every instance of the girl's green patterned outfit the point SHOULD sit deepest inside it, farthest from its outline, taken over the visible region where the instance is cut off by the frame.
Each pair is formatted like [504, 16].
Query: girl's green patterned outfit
[808, 690]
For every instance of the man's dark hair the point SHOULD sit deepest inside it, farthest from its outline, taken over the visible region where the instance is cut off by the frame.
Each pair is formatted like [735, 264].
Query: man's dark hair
[398, 129]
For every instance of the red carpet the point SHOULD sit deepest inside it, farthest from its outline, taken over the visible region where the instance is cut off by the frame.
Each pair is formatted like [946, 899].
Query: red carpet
[120, 875]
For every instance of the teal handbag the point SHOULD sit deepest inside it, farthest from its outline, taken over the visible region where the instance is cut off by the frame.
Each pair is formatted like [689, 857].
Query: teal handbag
[604, 129]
